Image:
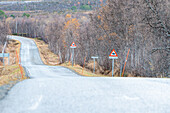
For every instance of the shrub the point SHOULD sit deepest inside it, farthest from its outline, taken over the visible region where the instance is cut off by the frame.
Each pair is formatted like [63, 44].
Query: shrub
[26, 14]
[2, 13]
[74, 8]
[86, 7]
[12, 16]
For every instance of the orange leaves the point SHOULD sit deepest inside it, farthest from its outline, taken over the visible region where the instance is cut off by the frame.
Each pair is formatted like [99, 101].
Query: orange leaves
[68, 16]
[73, 24]
[106, 27]
[101, 38]
[113, 34]
[99, 17]
[64, 42]
[131, 29]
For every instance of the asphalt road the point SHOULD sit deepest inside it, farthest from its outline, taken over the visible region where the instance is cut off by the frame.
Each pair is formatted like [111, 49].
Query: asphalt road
[54, 89]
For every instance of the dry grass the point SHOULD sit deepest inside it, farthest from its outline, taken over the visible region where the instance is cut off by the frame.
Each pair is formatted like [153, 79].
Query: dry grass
[11, 72]
[48, 57]
[81, 71]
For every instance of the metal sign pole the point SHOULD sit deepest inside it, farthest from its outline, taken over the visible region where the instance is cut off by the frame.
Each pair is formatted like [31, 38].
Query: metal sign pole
[112, 67]
[73, 45]
[113, 55]
[73, 57]
[9, 60]
[3, 52]
[94, 65]
[94, 59]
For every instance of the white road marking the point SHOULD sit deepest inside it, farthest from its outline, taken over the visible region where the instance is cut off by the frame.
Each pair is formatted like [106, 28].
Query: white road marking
[33, 107]
[130, 98]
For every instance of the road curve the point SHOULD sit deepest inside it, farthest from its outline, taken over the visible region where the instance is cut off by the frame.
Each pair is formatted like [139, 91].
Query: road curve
[55, 89]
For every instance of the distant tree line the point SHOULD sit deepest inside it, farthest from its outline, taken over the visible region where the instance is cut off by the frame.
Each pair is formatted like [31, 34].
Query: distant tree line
[142, 26]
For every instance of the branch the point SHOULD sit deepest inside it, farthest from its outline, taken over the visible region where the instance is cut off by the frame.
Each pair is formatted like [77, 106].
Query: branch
[160, 48]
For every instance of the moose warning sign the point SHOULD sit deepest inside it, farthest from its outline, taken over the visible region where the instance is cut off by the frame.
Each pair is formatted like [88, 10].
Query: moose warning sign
[73, 45]
[113, 55]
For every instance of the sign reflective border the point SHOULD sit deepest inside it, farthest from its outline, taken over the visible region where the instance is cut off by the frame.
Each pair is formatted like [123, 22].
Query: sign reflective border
[113, 54]
[73, 45]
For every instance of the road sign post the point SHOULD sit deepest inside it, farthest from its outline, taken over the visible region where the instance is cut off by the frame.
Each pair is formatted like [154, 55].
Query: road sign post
[94, 59]
[3, 51]
[72, 56]
[5, 55]
[112, 67]
[73, 46]
[113, 55]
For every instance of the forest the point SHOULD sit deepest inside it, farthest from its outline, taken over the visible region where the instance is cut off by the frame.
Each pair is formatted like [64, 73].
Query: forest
[141, 27]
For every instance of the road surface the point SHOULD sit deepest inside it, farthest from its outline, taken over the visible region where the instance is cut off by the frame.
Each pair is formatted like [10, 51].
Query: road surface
[55, 89]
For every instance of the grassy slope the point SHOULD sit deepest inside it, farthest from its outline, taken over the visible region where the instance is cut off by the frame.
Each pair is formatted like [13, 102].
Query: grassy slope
[11, 73]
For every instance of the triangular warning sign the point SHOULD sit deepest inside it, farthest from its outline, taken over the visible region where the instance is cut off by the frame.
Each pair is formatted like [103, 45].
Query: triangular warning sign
[73, 45]
[113, 54]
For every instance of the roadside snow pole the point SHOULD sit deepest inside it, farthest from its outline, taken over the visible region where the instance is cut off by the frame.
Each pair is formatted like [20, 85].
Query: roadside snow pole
[19, 63]
[73, 46]
[94, 59]
[125, 62]
[113, 55]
